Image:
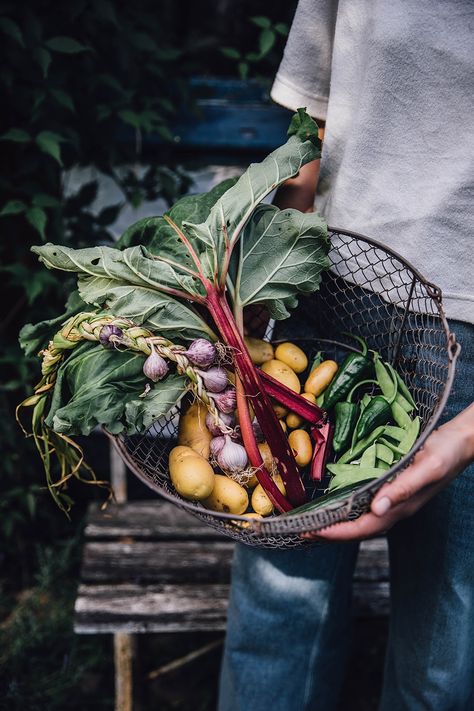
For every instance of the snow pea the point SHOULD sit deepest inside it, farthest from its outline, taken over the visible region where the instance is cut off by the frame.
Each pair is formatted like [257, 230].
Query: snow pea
[396, 433]
[411, 433]
[403, 389]
[401, 417]
[348, 473]
[368, 457]
[384, 453]
[385, 379]
[360, 447]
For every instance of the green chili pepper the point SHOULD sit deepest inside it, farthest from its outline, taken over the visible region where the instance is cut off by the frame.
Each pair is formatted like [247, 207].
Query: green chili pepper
[401, 417]
[346, 415]
[360, 447]
[354, 367]
[378, 412]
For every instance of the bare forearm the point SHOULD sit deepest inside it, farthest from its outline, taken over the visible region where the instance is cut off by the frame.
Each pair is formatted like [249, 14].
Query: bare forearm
[299, 192]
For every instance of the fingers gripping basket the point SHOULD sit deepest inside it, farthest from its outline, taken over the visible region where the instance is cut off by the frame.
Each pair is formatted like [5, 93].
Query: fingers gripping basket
[372, 292]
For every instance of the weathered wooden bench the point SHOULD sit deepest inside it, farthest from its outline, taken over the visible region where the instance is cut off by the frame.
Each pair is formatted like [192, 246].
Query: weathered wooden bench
[150, 567]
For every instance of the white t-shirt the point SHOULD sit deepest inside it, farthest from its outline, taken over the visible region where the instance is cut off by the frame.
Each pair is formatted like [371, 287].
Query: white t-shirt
[395, 83]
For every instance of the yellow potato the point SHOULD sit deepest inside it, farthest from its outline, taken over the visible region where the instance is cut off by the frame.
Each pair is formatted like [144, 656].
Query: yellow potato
[279, 410]
[319, 379]
[300, 443]
[246, 524]
[192, 430]
[260, 502]
[191, 475]
[180, 452]
[293, 356]
[283, 373]
[227, 496]
[260, 351]
[293, 420]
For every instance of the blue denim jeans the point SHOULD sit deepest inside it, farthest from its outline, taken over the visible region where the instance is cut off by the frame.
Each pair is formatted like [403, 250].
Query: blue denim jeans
[289, 615]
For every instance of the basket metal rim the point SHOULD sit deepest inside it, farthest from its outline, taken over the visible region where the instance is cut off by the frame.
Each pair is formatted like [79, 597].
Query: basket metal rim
[258, 526]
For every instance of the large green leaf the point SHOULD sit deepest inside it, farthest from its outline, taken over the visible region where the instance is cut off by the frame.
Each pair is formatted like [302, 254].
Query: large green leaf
[92, 388]
[281, 254]
[231, 212]
[160, 313]
[140, 413]
[134, 265]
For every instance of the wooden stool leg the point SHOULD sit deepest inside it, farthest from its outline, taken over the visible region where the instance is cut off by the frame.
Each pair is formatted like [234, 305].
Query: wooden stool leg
[123, 660]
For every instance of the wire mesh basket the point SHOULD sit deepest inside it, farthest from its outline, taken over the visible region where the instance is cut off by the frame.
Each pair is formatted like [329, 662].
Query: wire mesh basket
[372, 292]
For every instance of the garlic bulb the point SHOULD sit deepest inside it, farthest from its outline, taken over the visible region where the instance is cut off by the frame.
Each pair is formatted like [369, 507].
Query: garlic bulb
[217, 429]
[201, 352]
[155, 367]
[216, 445]
[215, 379]
[108, 331]
[226, 401]
[232, 457]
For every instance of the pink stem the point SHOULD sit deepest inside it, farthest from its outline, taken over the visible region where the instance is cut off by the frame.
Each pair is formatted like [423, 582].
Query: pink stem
[322, 437]
[274, 435]
[313, 413]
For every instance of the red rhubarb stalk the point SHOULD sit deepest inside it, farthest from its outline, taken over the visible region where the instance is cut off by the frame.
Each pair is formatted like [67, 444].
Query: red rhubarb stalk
[313, 413]
[322, 437]
[250, 444]
[274, 435]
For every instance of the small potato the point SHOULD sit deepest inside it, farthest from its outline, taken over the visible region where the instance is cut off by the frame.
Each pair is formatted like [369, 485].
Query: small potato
[246, 524]
[293, 420]
[283, 373]
[293, 356]
[260, 351]
[319, 379]
[227, 496]
[300, 443]
[279, 410]
[191, 475]
[260, 502]
[192, 430]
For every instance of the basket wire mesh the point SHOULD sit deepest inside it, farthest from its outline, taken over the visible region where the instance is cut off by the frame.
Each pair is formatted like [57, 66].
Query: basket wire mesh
[372, 292]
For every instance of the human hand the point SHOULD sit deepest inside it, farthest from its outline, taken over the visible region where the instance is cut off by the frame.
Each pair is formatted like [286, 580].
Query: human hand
[445, 454]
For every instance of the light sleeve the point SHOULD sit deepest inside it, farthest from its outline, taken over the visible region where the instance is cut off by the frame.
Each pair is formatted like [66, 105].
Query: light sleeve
[303, 78]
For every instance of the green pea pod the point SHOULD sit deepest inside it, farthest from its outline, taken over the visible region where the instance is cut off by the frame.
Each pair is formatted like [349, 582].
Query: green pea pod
[401, 417]
[402, 387]
[411, 435]
[380, 464]
[351, 454]
[403, 402]
[346, 415]
[378, 412]
[384, 453]
[387, 382]
[366, 398]
[368, 457]
[345, 474]
[396, 433]
[395, 448]
[318, 359]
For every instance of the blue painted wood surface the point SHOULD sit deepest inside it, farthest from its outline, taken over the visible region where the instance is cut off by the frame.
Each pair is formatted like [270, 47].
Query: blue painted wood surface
[231, 115]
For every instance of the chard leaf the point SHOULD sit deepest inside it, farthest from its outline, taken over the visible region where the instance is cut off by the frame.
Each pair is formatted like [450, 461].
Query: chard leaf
[142, 412]
[160, 313]
[231, 212]
[281, 254]
[93, 387]
[33, 337]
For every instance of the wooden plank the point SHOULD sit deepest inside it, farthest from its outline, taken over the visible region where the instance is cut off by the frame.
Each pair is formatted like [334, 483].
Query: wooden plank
[150, 608]
[123, 663]
[129, 608]
[184, 561]
[161, 561]
[152, 520]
